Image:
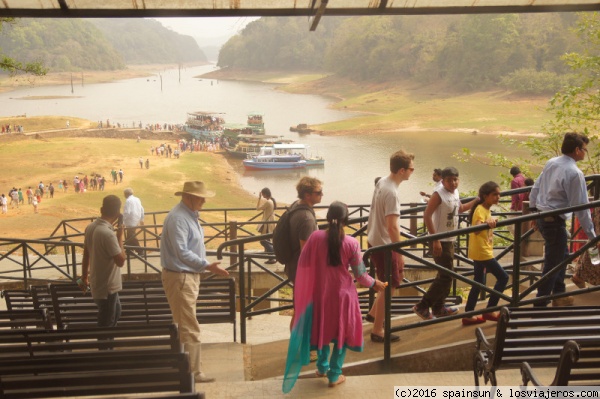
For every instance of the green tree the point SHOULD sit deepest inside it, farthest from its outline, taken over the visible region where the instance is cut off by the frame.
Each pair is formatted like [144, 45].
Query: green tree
[576, 108]
[14, 67]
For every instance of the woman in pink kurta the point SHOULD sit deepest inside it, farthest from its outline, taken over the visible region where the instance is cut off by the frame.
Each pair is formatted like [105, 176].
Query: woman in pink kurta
[326, 302]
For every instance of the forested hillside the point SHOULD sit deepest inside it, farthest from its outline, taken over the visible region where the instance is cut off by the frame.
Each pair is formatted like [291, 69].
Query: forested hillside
[146, 41]
[519, 51]
[74, 44]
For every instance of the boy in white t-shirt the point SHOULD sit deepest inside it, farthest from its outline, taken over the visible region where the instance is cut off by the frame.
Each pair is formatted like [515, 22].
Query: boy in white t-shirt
[441, 215]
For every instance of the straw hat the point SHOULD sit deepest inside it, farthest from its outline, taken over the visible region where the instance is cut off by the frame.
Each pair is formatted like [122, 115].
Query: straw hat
[195, 188]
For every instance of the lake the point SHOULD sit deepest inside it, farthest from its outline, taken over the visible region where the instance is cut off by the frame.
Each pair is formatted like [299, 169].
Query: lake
[351, 162]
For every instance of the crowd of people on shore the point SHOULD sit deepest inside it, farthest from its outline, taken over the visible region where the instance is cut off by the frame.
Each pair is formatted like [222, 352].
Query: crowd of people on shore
[8, 129]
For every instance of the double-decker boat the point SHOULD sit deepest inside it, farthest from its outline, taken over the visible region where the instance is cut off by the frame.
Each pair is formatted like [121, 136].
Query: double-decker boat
[202, 125]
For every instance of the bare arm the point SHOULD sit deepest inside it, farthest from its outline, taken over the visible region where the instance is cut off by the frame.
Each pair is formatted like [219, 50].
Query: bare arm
[85, 267]
[432, 205]
[391, 223]
[120, 257]
[467, 206]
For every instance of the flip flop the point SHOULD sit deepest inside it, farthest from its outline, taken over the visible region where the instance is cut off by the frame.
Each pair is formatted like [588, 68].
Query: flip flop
[341, 379]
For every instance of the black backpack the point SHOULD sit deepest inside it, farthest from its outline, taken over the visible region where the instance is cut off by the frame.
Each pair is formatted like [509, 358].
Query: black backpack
[282, 242]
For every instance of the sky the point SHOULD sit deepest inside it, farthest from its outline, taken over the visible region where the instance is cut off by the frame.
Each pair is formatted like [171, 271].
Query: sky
[215, 27]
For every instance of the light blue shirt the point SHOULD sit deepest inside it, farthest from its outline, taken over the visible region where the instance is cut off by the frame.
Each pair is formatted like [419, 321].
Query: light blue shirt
[561, 184]
[182, 241]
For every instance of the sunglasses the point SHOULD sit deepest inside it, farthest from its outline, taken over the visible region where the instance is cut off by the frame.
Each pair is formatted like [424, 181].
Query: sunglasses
[318, 192]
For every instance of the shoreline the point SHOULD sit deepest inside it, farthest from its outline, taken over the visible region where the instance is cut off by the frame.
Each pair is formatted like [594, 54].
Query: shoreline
[8, 84]
[360, 97]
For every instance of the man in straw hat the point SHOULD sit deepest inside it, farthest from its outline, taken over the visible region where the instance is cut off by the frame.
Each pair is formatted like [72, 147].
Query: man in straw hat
[183, 258]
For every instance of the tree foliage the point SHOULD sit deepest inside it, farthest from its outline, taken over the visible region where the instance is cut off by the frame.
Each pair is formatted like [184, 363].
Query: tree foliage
[470, 52]
[103, 44]
[14, 67]
[147, 41]
[576, 107]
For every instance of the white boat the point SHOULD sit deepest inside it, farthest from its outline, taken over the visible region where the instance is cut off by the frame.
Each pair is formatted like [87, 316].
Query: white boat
[282, 156]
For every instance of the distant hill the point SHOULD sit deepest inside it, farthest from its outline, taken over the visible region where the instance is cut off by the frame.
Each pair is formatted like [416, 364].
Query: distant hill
[147, 41]
[61, 44]
[100, 44]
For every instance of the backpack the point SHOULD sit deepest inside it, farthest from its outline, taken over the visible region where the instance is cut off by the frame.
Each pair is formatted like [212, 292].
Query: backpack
[282, 243]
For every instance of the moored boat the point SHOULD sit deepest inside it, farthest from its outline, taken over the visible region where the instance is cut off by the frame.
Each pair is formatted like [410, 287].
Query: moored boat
[282, 156]
[256, 123]
[202, 125]
[301, 128]
[271, 158]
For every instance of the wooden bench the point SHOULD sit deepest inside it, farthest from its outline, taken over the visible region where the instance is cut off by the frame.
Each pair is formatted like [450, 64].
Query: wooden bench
[83, 375]
[18, 299]
[144, 302]
[36, 297]
[23, 319]
[579, 364]
[535, 335]
[161, 338]
[402, 305]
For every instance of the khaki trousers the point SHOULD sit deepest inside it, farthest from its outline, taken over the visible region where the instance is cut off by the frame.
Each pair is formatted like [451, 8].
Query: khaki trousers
[182, 293]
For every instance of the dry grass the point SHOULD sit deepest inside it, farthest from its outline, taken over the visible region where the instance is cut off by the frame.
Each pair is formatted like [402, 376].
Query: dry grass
[27, 162]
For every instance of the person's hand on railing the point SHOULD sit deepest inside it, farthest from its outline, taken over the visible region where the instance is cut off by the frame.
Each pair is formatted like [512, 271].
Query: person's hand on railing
[379, 286]
[492, 222]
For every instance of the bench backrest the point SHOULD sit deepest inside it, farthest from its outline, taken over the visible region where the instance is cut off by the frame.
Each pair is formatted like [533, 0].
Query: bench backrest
[18, 299]
[96, 375]
[24, 319]
[96, 341]
[143, 302]
[539, 334]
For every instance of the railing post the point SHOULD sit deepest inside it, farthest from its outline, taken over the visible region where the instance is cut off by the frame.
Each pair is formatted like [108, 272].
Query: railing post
[233, 229]
[25, 263]
[242, 283]
[387, 345]
[516, 264]
[413, 224]
[74, 260]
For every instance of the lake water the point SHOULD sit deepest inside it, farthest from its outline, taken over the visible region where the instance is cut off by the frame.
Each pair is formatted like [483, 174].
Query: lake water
[351, 162]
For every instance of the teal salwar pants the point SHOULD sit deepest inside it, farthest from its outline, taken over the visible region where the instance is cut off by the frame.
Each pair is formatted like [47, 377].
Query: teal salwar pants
[332, 366]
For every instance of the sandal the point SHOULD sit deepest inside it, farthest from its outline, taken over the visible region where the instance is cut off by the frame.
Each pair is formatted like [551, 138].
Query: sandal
[380, 339]
[491, 316]
[469, 321]
[578, 282]
[341, 379]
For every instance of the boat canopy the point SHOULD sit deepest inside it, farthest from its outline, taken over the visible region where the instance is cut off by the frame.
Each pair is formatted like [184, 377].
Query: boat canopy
[289, 146]
[202, 113]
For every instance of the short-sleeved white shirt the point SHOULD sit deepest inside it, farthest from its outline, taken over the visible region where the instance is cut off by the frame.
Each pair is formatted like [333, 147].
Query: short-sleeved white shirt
[445, 217]
[385, 202]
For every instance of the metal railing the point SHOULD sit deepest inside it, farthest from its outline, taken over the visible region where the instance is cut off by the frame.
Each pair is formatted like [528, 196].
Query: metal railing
[236, 238]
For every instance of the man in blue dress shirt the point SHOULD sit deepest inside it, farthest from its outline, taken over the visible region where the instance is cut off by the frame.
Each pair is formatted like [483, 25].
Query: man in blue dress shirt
[183, 258]
[560, 185]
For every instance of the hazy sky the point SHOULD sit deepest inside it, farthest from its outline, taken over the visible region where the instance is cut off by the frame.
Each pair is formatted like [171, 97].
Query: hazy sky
[207, 27]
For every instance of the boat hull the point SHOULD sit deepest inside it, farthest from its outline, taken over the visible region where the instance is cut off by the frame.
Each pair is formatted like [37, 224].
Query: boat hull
[202, 134]
[250, 164]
